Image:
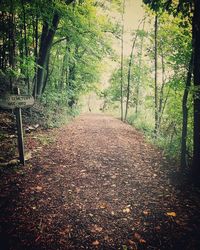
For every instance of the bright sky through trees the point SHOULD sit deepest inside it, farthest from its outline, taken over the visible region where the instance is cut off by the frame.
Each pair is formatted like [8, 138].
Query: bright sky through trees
[133, 14]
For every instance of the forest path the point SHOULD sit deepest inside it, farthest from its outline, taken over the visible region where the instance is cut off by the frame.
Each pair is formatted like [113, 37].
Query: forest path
[99, 185]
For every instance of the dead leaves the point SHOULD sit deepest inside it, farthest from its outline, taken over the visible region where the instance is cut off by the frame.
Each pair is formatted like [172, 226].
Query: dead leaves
[146, 212]
[133, 243]
[107, 190]
[95, 243]
[138, 238]
[126, 210]
[38, 188]
[171, 214]
[96, 229]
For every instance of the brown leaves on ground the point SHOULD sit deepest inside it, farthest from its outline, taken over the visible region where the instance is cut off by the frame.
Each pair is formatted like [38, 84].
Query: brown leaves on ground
[96, 185]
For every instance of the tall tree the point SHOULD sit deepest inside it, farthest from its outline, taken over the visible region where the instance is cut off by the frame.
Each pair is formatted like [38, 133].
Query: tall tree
[156, 75]
[46, 41]
[129, 69]
[122, 61]
[196, 73]
[185, 115]
[129, 76]
[190, 9]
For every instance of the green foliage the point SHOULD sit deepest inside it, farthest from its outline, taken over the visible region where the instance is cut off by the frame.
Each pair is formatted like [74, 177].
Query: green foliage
[174, 52]
[143, 122]
[73, 64]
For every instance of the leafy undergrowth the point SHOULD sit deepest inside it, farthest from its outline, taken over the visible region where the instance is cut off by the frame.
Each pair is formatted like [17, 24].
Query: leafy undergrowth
[97, 185]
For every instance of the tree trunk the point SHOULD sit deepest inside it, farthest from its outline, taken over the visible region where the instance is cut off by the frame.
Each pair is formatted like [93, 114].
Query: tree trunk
[161, 96]
[35, 29]
[122, 61]
[72, 78]
[25, 46]
[196, 73]
[156, 78]
[46, 42]
[129, 76]
[185, 115]
[12, 44]
[44, 52]
[139, 74]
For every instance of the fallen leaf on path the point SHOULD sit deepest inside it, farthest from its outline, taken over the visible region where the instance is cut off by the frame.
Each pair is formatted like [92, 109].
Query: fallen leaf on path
[95, 243]
[126, 210]
[103, 205]
[172, 214]
[38, 188]
[96, 229]
[139, 238]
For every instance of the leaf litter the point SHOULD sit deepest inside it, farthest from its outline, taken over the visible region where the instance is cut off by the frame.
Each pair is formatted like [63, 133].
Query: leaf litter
[97, 185]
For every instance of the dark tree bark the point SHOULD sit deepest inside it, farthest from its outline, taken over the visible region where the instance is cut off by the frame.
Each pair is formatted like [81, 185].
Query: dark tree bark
[185, 115]
[3, 25]
[44, 51]
[71, 79]
[25, 45]
[48, 32]
[12, 43]
[196, 74]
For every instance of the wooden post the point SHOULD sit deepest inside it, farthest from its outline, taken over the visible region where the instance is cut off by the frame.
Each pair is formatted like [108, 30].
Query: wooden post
[20, 139]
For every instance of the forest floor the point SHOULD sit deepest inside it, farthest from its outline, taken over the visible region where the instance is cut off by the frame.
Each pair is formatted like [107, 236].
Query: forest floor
[96, 183]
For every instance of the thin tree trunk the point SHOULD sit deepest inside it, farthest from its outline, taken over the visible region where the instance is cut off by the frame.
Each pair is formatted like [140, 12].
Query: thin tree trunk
[185, 115]
[196, 73]
[25, 46]
[164, 105]
[61, 80]
[122, 61]
[156, 78]
[129, 76]
[67, 63]
[35, 28]
[160, 105]
[46, 75]
[12, 44]
[139, 78]
[129, 72]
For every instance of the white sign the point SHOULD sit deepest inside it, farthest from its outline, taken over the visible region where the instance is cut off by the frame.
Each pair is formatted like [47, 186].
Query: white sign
[16, 101]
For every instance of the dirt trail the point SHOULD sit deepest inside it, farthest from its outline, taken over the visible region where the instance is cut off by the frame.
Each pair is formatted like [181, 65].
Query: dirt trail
[100, 185]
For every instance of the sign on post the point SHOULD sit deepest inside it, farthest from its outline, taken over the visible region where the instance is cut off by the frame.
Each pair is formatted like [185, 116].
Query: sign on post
[17, 102]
